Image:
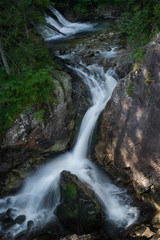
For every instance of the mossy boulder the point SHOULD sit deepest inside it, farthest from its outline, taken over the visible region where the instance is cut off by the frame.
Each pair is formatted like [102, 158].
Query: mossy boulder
[79, 210]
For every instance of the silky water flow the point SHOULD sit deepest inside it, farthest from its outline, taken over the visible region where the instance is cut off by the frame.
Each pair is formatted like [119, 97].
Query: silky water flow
[40, 195]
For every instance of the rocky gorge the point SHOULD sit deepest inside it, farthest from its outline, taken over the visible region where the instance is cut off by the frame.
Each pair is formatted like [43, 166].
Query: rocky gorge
[126, 146]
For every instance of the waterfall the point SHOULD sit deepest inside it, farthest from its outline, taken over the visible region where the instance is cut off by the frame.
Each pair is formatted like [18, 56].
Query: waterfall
[63, 26]
[40, 194]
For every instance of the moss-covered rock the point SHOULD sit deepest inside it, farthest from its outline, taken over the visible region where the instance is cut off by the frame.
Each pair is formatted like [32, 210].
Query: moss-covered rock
[79, 211]
[45, 129]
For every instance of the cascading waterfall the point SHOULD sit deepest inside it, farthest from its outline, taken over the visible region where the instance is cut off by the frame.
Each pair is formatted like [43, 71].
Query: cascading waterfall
[40, 194]
[64, 26]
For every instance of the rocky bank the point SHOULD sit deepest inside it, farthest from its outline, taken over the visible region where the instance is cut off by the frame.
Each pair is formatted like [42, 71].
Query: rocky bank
[36, 133]
[128, 147]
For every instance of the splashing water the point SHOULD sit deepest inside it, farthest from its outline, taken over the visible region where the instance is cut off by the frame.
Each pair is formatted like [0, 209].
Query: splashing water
[63, 26]
[40, 194]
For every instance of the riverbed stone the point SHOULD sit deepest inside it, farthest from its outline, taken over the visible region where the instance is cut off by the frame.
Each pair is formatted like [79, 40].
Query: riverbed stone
[140, 232]
[79, 210]
[20, 219]
[7, 223]
[30, 224]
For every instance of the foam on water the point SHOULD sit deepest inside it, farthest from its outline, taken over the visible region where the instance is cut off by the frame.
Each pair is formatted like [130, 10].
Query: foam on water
[40, 194]
[109, 54]
[63, 26]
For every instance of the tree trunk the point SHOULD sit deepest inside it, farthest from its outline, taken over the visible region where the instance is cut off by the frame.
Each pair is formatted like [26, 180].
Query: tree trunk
[4, 59]
[54, 28]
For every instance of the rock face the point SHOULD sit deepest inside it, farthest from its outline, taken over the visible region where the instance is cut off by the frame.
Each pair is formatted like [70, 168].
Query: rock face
[79, 211]
[47, 130]
[130, 131]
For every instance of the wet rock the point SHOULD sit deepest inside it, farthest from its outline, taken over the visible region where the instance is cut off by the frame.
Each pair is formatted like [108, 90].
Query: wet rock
[11, 212]
[20, 219]
[7, 223]
[79, 211]
[30, 224]
[2, 215]
[140, 232]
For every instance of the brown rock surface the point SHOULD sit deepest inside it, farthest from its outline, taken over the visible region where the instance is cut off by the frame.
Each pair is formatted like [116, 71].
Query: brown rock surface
[129, 144]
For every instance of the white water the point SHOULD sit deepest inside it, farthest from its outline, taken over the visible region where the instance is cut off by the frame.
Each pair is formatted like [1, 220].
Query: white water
[63, 26]
[40, 194]
[109, 54]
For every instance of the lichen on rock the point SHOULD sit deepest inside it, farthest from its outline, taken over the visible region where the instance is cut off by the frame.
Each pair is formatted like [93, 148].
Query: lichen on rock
[79, 210]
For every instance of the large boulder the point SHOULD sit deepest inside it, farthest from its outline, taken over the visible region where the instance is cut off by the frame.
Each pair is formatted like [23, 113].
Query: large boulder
[79, 210]
[129, 144]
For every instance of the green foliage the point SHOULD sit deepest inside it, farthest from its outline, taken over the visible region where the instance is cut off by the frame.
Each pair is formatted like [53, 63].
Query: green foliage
[140, 21]
[30, 81]
[39, 115]
[83, 7]
[16, 93]
[130, 89]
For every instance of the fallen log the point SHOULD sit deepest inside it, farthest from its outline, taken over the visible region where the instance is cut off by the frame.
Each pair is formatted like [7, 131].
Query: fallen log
[54, 28]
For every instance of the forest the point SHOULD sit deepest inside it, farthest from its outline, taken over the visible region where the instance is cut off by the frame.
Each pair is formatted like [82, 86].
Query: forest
[25, 66]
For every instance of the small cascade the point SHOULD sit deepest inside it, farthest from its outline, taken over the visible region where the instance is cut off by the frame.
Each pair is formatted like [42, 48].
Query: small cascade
[40, 194]
[64, 26]
[59, 16]
[110, 54]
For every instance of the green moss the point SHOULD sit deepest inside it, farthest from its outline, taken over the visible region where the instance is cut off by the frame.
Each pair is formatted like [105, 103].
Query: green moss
[98, 208]
[148, 78]
[130, 89]
[80, 42]
[70, 192]
[72, 213]
[39, 115]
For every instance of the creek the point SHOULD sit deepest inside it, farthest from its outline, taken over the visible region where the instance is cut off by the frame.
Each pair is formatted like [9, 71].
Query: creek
[40, 195]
